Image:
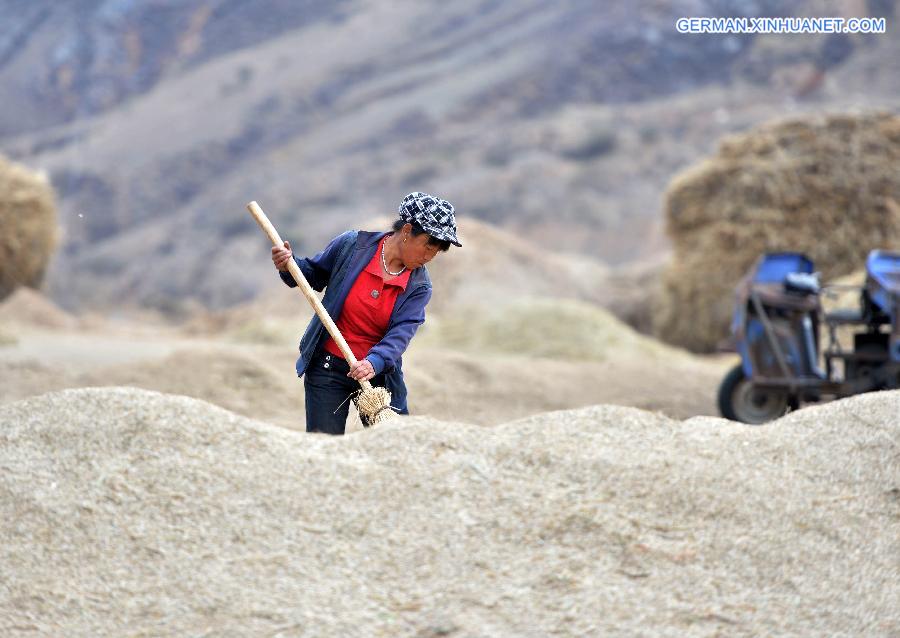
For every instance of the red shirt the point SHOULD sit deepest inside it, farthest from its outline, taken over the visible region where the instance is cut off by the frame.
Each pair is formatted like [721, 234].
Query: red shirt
[367, 310]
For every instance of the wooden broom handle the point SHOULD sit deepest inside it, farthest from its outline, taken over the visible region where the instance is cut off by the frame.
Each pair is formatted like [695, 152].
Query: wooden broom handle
[305, 288]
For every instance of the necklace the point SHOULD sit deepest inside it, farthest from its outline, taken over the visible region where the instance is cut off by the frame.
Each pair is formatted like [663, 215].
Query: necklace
[384, 263]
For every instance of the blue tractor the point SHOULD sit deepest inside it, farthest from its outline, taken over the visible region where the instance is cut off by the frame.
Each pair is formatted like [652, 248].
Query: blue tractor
[778, 317]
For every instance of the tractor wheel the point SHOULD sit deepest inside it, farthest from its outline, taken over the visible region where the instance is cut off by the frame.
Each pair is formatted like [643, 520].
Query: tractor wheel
[740, 400]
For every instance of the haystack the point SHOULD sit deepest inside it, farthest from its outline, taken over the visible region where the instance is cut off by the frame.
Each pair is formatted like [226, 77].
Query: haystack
[828, 187]
[28, 223]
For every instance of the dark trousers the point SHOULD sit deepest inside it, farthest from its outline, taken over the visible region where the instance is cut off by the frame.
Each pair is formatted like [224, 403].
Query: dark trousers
[328, 391]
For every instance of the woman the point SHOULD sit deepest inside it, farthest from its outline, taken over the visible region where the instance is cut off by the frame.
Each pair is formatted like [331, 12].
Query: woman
[377, 290]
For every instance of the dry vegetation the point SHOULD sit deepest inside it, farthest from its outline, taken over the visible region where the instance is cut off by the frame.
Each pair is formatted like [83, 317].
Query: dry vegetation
[28, 231]
[827, 187]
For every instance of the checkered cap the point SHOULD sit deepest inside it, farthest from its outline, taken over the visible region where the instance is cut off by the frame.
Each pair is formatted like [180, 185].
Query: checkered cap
[435, 215]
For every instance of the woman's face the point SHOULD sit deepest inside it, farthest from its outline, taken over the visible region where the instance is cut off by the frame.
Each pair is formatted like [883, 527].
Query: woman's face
[416, 251]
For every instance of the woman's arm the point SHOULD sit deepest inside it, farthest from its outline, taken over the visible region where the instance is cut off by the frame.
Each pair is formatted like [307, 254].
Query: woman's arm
[317, 269]
[404, 322]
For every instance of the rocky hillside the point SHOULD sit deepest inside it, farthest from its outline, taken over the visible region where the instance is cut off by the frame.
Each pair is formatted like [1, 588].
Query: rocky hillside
[559, 122]
[77, 59]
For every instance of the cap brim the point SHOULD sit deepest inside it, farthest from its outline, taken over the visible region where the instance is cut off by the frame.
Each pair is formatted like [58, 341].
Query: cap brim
[455, 242]
[452, 240]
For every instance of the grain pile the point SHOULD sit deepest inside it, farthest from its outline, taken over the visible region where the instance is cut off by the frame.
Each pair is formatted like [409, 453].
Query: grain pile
[827, 187]
[28, 223]
[545, 327]
[26, 309]
[131, 512]
[7, 338]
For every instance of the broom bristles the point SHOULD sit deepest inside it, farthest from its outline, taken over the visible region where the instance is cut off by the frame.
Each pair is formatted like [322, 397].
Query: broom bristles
[375, 406]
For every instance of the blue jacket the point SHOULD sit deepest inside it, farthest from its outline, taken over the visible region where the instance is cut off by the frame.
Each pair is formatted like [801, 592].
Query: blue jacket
[337, 268]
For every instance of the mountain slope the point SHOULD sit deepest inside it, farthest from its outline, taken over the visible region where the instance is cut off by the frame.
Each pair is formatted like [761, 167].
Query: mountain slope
[557, 121]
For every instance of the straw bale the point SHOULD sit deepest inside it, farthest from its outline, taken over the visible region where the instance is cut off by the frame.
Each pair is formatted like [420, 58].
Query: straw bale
[28, 223]
[827, 187]
[131, 512]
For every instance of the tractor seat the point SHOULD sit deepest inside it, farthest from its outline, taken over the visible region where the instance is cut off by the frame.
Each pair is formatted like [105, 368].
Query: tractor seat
[845, 316]
[802, 283]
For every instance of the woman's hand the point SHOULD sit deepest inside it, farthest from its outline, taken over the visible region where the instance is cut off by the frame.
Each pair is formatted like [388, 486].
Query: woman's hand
[281, 257]
[362, 370]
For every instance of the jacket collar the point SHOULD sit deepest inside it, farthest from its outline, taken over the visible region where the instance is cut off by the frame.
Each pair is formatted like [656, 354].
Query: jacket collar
[368, 239]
